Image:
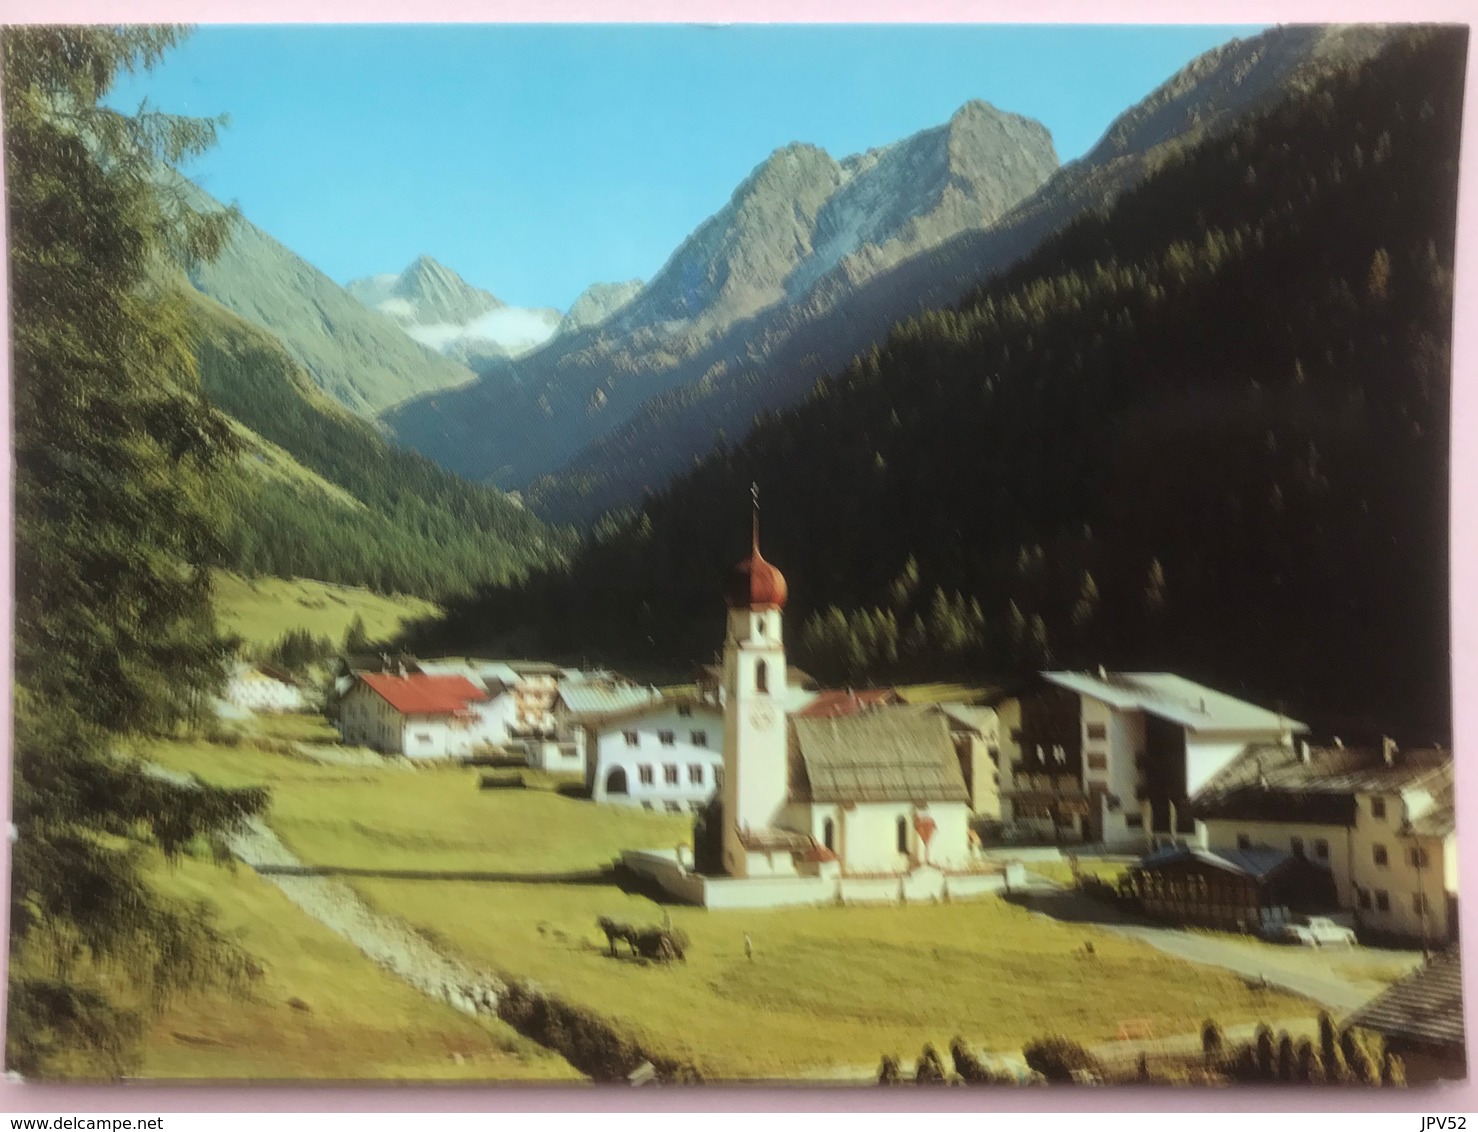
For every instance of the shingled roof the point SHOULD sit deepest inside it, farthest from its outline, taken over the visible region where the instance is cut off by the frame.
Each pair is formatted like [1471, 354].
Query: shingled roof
[884, 755]
[1275, 783]
[1425, 1007]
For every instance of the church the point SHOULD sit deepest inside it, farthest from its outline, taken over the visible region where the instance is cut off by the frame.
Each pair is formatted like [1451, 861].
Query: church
[865, 806]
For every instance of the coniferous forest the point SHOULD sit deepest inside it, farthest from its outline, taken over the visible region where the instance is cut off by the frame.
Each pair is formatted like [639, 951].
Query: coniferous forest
[1205, 430]
[412, 526]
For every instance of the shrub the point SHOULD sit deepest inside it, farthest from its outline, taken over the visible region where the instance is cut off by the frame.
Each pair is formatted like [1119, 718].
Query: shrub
[1267, 1053]
[1393, 1072]
[971, 1069]
[1286, 1062]
[888, 1073]
[1213, 1042]
[1328, 1037]
[930, 1069]
[1058, 1059]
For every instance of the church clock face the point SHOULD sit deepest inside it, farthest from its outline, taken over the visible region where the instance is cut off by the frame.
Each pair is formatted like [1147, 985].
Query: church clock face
[761, 718]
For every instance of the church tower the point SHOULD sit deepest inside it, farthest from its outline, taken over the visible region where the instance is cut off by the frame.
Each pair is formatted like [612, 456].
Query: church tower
[755, 731]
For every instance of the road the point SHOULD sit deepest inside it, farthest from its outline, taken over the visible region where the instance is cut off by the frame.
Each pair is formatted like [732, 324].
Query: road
[1314, 973]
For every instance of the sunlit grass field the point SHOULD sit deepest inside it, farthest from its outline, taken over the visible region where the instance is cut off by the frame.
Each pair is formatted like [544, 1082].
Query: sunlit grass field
[321, 1009]
[261, 610]
[826, 987]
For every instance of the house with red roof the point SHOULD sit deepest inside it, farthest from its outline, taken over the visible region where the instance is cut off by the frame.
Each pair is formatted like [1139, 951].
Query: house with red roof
[419, 715]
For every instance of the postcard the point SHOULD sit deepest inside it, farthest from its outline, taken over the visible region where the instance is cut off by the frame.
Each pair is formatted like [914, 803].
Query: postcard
[679, 555]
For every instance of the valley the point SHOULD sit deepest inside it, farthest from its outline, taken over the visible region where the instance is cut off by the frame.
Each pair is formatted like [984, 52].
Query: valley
[402, 692]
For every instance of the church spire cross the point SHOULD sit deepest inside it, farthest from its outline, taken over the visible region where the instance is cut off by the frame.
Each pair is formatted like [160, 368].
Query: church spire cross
[754, 496]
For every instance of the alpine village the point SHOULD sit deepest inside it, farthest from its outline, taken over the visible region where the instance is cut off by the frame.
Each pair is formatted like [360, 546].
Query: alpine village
[968, 619]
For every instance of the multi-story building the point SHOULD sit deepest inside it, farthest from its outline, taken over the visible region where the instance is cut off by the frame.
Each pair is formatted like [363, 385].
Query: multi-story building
[1112, 757]
[1380, 820]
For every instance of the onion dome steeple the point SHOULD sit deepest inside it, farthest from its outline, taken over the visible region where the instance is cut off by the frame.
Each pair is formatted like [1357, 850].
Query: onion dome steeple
[754, 583]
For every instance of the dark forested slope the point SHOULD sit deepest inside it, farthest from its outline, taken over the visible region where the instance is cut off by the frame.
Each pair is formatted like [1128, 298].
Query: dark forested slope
[1205, 430]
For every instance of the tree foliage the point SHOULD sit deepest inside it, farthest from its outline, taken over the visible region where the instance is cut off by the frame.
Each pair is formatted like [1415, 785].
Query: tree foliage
[117, 458]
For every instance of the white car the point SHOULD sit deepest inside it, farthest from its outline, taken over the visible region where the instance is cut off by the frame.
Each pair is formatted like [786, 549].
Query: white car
[1314, 931]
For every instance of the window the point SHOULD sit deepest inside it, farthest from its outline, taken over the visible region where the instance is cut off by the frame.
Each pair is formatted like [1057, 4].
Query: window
[423, 736]
[1097, 760]
[1379, 853]
[761, 677]
[1134, 821]
[1042, 755]
[684, 710]
[1382, 900]
[1097, 731]
[1362, 898]
[1296, 845]
[669, 774]
[1321, 849]
[1378, 808]
[674, 807]
[718, 776]
[903, 835]
[1243, 841]
[1060, 755]
[1419, 904]
[1418, 857]
[695, 773]
[828, 833]
[698, 738]
[666, 738]
[645, 775]
[995, 755]
[1016, 735]
[632, 738]
[647, 806]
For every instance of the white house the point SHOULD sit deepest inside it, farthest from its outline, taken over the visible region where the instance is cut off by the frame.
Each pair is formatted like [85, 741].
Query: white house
[1112, 756]
[1381, 821]
[419, 716]
[263, 688]
[659, 755]
[580, 707]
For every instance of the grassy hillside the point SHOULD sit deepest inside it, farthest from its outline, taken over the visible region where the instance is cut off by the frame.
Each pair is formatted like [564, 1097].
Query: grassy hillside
[1204, 430]
[334, 500]
[322, 1010]
[357, 356]
[261, 610]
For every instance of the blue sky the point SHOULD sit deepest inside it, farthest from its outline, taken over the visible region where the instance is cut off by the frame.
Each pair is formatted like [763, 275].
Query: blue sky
[535, 160]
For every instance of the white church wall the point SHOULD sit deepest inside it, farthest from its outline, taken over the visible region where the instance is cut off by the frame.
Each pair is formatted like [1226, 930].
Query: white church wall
[871, 837]
[949, 847]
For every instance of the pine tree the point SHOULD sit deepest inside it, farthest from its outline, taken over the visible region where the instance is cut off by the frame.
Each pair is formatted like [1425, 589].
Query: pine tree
[117, 468]
[356, 639]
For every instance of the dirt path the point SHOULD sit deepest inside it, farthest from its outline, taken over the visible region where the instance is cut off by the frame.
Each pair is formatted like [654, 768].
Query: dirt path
[387, 941]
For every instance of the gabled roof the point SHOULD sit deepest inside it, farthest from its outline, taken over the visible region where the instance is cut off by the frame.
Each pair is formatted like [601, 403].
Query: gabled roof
[967, 716]
[424, 695]
[1426, 1006]
[590, 698]
[1275, 783]
[1172, 697]
[486, 671]
[847, 701]
[1255, 863]
[884, 755]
